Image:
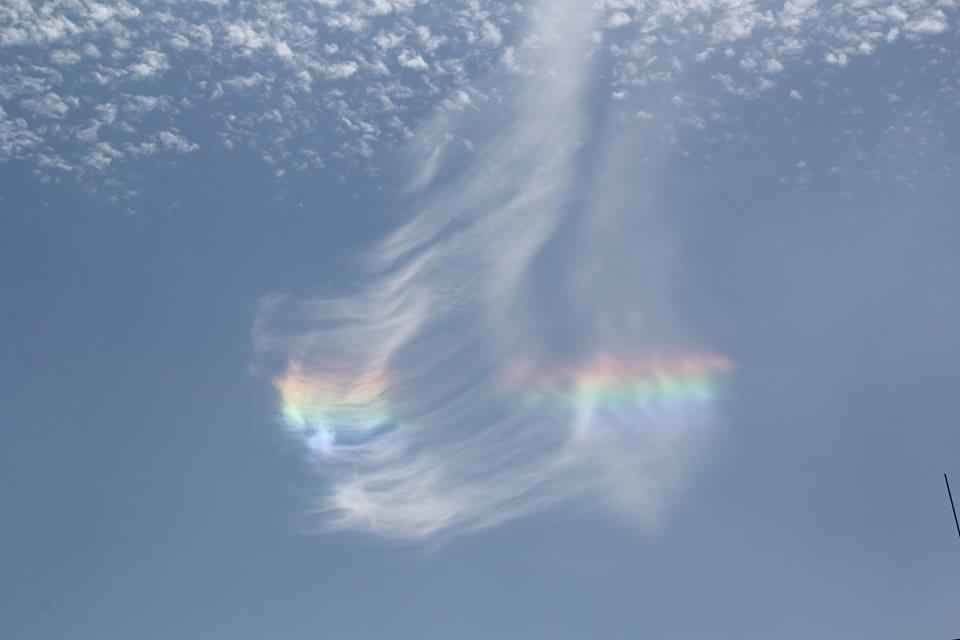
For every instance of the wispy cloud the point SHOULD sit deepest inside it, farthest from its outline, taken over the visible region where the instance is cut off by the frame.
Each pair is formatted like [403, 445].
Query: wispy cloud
[469, 384]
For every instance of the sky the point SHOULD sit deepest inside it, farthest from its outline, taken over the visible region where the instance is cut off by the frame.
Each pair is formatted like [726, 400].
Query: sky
[478, 319]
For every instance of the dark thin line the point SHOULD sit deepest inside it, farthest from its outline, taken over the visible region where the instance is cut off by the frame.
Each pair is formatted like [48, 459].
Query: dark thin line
[952, 506]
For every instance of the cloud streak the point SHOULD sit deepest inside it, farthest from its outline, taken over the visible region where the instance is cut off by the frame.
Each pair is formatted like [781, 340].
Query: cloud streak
[510, 346]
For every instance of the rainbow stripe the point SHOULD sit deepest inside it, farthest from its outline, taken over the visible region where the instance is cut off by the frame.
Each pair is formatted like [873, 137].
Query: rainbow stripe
[339, 410]
[330, 410]
[609, 382]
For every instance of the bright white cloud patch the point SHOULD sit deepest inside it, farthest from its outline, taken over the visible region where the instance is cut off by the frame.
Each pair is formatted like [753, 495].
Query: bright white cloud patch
[459, 387]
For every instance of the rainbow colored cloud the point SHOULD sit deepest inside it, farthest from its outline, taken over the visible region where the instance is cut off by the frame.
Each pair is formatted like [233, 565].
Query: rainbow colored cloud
[331, 413]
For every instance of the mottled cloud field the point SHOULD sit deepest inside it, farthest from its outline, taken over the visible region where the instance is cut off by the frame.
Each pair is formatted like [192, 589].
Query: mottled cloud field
[87, 87]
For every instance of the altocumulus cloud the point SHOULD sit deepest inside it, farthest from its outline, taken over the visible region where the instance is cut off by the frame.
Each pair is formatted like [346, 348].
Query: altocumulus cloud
[311, 85]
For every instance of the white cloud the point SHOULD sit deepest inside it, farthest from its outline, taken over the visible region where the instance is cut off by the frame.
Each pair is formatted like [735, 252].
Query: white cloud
[242, 34]
[64, 57]
[838, 58]
[895, 13]
[283, 50]
[412, 60]
[338, 70]
[931, 23]
[385, 41]
[453, 305]
[796, 13]
[346, 22]
[16, 138]
[98, 160]
[618, 19]
[737, 22]
[313, 49]
[245, 82]
[491, 36]
[102, 156]
[151, 63]
[49, 106]
[137, 105]
[89, 134]
[174, 141]
[179, 41]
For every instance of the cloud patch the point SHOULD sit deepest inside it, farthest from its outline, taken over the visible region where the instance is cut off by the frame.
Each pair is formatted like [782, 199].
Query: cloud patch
[367, 74]
[460, 384]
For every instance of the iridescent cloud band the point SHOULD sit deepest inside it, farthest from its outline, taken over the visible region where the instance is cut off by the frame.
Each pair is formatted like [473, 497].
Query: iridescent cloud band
[329, 411]
[660, 381]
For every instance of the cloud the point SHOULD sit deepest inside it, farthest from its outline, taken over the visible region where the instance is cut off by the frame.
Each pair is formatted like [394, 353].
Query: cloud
[931, 23]
[412, 60]
[461, 384]
[49, 105]
[306, 49]
[327, 62]
[175, 141]
[151, 63]
[618, 19]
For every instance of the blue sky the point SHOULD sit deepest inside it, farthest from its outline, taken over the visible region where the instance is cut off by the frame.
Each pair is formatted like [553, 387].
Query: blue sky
[405, 201]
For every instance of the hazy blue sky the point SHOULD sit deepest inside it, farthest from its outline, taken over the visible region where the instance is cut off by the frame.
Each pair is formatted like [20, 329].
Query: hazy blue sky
[389, 206]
